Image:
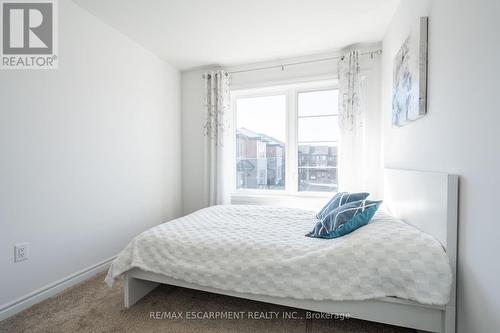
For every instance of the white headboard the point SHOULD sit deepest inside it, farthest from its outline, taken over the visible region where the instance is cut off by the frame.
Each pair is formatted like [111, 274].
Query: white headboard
[426, 200]
[429, 202]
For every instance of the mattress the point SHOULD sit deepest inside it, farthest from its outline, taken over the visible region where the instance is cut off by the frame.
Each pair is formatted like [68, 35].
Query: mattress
[263, 250]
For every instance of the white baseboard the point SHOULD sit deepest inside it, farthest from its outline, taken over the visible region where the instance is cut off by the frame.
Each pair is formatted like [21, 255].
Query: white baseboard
[52, 289]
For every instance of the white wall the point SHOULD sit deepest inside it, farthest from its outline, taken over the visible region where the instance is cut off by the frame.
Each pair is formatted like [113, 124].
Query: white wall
[459, 135]
[194, 192]
[90, 153]
[195, 195]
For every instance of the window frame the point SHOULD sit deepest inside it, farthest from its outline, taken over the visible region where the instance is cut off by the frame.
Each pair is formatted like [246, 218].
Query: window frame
[291, 91]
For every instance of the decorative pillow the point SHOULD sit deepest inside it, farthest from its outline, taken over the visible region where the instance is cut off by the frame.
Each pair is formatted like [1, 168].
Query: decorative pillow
[345, 219]
[338, 200]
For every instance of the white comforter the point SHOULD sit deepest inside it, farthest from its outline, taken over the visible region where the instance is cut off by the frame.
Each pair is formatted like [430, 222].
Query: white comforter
[263, 250]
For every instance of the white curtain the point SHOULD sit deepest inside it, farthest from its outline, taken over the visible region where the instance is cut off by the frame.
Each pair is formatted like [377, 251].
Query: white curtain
[217, 134]
[352, 125]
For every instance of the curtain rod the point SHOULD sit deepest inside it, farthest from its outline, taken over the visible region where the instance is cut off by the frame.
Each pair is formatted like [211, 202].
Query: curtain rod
[282, 66]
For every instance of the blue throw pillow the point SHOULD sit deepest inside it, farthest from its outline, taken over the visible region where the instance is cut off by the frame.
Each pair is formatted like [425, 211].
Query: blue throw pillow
[345, 219]
[338, 200]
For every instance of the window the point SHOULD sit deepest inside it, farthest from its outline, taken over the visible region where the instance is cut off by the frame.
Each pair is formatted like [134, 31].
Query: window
[260, 142]
[286, 139]
[317, 142]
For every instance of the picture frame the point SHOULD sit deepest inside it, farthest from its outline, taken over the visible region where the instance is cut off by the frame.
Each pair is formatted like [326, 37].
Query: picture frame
[409, 98]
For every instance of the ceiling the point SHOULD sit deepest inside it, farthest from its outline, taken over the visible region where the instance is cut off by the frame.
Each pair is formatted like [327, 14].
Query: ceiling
[193, 33]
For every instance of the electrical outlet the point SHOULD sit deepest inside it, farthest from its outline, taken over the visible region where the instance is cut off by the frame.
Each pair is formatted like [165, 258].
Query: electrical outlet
[20, 252]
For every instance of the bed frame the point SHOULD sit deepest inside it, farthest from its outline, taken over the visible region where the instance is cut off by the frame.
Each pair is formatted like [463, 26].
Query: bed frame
[426, 200]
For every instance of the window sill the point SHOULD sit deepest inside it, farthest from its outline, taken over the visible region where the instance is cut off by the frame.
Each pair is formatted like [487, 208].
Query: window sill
[312, 201]
[281, 194]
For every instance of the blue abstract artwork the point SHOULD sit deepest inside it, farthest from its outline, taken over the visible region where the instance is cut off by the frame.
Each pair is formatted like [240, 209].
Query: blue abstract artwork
[409, 99]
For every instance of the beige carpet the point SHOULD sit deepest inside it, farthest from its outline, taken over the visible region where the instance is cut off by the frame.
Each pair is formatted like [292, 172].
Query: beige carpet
[93, 307]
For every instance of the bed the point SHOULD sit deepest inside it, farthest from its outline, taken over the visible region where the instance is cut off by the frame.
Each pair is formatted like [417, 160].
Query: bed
[399, 269]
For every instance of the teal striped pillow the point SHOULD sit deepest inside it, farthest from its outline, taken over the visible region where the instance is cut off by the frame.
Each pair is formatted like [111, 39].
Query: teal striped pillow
[345, 219]
[339, 199]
